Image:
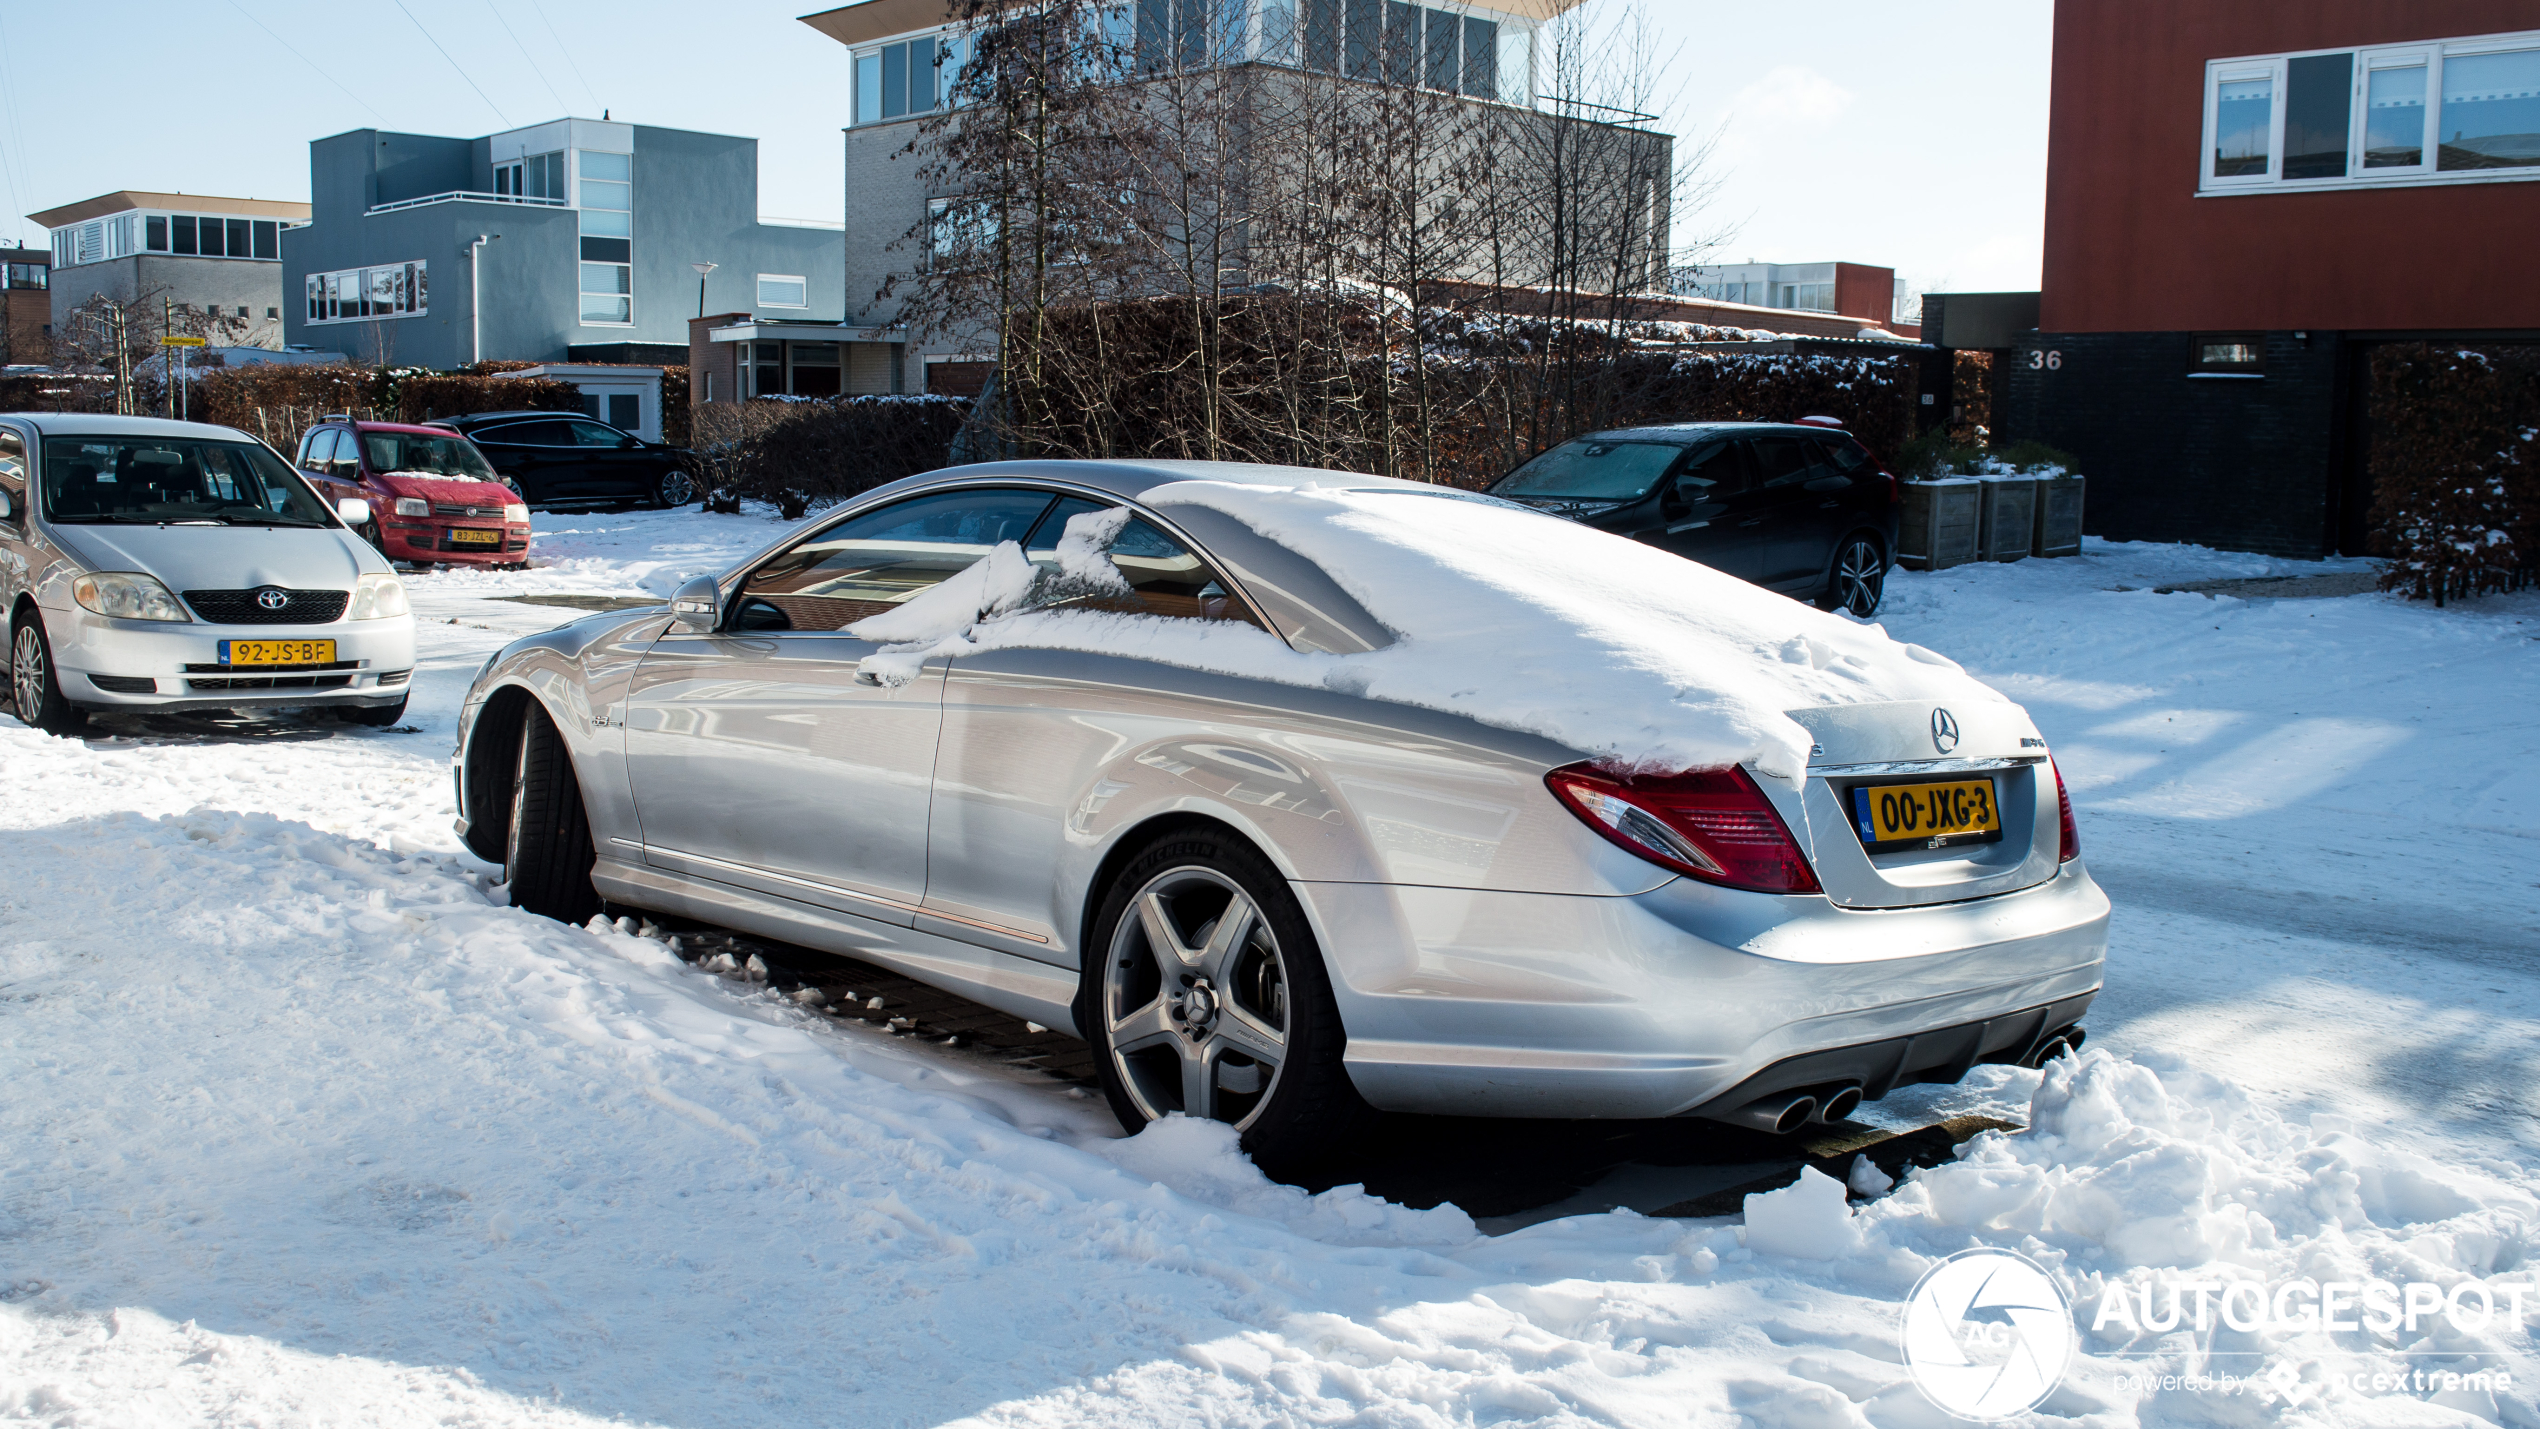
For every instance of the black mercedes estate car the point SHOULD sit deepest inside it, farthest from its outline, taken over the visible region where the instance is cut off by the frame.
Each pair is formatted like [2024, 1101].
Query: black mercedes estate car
[1800, 508]
[563, 459]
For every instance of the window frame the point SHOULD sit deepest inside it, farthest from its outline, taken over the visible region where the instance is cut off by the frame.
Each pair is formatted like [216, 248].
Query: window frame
[2426, 172]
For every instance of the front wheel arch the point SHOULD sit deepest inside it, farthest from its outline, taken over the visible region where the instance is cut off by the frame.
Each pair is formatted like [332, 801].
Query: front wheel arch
[493, 752]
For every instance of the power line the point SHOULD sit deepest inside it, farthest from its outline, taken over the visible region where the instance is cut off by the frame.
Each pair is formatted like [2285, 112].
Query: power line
[561, 106]
[17, 131]
[304, 59]
[463, 74]
[567, 51]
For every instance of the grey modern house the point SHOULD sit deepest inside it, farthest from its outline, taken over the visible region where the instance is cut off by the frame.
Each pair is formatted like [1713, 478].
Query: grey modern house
[217, 261]
[577, 240]
[903, 55]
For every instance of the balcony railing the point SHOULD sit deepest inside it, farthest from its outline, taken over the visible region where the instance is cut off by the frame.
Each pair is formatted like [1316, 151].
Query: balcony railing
[467, 196]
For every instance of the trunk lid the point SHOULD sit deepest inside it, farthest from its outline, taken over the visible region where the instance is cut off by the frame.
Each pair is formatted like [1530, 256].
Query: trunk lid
[1905, 747]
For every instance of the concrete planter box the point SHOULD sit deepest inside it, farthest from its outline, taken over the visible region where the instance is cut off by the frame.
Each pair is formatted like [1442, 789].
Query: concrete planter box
[2058, 528]
[1939, 525]
[2009, 518]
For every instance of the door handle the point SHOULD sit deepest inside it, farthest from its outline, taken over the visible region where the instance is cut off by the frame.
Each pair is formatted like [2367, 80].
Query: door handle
[867, 677]
[1750, 521]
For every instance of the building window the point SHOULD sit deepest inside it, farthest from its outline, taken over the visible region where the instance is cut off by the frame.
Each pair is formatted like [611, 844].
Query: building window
[2437, 111]
[398, 290]
[912, 77]
[2227, 354]
[779, 290]
[606, 190]
[27, 275]
[531, 178]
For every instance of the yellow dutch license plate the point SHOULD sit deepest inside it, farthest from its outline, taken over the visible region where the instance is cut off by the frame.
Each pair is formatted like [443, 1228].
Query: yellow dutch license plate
[471, 536]
[1929, 815]
[277, 652]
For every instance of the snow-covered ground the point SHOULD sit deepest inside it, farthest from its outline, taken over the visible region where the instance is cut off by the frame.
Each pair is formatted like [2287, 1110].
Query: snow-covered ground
[302, 1127]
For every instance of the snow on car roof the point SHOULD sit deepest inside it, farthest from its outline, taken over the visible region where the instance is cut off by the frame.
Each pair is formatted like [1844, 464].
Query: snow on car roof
[1521, 621]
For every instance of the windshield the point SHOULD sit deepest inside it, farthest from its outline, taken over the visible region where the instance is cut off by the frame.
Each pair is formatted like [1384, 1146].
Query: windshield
[156, 479]
[426, 456]
[1591, 470]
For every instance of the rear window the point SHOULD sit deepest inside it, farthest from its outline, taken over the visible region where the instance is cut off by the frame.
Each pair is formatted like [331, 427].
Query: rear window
[1592, 470]
[431, 456]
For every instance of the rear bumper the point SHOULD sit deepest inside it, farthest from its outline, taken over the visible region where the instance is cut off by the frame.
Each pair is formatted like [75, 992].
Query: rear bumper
[1473, 1003]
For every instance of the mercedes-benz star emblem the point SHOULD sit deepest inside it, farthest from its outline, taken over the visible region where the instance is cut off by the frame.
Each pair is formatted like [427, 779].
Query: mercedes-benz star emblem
[1944, 730]
[272, 599]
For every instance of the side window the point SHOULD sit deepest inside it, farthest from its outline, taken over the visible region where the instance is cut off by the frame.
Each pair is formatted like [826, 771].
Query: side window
[1711, 473]
[870, 563]
[317, 449]
[13, 476]
[592, 434]
[1168, 578]
[532, 434]
[1844, 454]
[1784, 461]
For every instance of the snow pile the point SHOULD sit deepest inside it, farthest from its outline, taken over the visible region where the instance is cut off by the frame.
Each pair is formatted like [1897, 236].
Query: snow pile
[1515, 619]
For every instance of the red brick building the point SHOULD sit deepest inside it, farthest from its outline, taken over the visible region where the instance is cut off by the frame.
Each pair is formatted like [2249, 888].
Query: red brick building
[2242, 202]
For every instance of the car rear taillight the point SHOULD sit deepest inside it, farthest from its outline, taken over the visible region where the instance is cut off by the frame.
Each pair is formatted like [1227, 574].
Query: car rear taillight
[1712, 824]
[2070, 846]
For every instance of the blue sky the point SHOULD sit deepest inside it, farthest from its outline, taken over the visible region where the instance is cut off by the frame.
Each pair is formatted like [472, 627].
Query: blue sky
[1908, 136]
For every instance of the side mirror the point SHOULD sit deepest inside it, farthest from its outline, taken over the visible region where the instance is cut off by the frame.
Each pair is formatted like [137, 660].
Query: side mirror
[697, 606]
[353, 511]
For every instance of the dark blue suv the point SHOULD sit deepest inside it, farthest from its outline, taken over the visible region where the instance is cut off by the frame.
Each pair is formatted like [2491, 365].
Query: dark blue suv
[1800, 508]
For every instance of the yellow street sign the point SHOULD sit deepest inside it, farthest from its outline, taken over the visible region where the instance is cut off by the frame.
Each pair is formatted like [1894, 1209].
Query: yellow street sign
[180, 342]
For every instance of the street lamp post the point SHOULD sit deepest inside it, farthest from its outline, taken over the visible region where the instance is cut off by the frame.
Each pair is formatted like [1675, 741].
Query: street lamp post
[702, 270]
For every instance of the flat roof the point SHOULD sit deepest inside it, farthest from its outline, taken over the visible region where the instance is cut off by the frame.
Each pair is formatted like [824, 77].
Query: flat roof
[126, 200]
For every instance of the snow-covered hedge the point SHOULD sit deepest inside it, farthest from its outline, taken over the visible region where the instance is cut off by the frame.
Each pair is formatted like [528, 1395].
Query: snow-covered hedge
[2455, 468]
[824, 449]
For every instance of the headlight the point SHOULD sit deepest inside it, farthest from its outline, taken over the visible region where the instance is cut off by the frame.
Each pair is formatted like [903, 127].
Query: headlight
[516, 512]
[413, 506]
[376, 597]
[127, 597]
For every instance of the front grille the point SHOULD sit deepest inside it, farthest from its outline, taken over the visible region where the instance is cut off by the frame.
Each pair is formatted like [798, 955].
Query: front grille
[274, 669]
[274, 682]
[244, 607]
[125, 684]
[493, 512]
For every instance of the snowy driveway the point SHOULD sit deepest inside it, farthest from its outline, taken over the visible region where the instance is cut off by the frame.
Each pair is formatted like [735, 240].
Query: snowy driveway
[301, 1128]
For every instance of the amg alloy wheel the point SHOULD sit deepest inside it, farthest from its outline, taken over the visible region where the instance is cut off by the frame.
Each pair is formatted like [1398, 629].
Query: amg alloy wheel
[1859, 578]
[33, 687]
[677, 488]
[1209, 999]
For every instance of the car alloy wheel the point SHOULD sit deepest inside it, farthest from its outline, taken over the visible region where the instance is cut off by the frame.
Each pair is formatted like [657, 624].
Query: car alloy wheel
[1860, 577]
[1195, 999]
[677, 488]
[33, 689]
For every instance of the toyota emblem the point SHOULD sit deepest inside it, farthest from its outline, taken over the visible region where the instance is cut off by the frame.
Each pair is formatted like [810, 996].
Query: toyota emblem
[1944, 730]
[272, 599]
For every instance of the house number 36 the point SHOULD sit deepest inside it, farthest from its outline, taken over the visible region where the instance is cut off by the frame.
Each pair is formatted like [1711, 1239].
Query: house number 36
[2046, 360]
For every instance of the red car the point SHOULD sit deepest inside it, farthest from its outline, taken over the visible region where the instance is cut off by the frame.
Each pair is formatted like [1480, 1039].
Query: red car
[433, 498]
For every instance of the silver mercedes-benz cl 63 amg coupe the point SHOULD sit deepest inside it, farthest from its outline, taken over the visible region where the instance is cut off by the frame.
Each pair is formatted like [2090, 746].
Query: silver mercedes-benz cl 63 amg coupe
[1283, 902]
